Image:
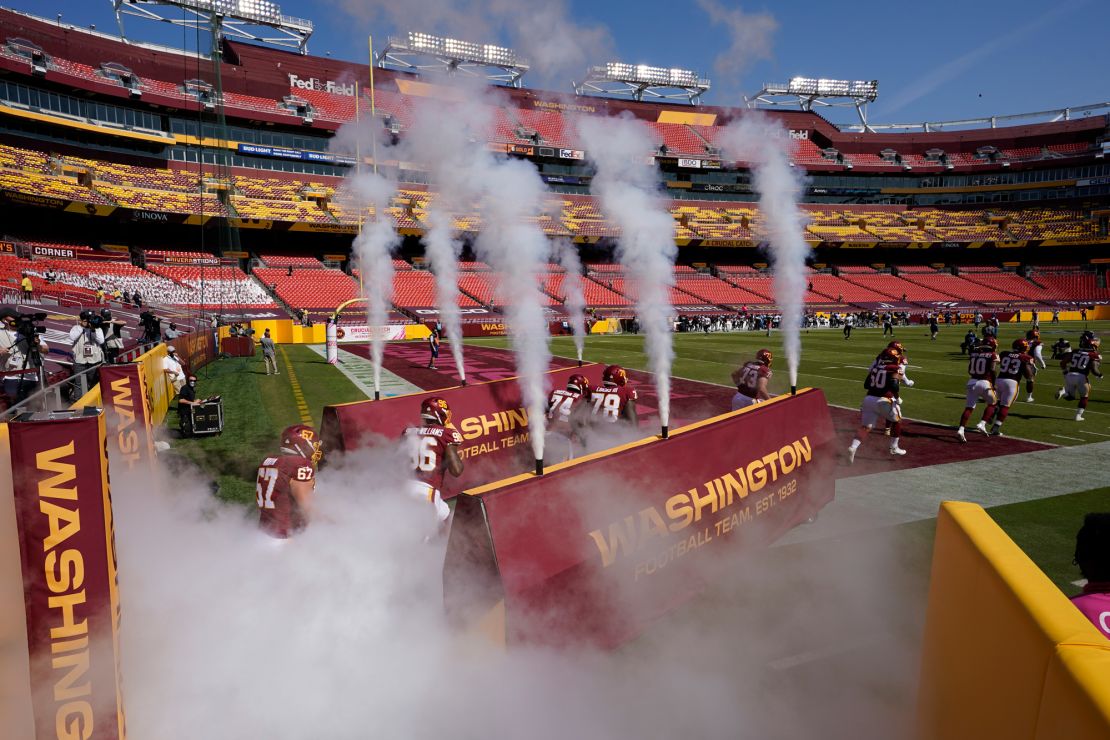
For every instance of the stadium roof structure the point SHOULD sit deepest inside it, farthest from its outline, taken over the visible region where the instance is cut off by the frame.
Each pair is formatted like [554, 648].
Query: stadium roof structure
[241, 19]
[1044, 116]
[423, 52]
[638, 81]
[807, 92]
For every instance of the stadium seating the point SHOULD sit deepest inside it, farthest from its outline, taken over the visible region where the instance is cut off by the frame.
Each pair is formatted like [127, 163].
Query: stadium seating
[416, 289]
[309, 288]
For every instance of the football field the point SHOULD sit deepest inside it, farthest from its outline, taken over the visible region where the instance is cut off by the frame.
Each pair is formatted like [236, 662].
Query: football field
[258, 406]
[838, 366]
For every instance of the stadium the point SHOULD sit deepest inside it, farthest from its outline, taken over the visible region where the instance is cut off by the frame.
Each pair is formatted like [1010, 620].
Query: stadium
[425, 247]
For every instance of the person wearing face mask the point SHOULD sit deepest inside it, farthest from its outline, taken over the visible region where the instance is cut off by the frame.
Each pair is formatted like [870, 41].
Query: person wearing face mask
[186, 399]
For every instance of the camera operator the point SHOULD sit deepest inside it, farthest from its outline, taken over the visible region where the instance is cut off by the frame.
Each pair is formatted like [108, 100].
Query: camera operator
[87, 339]
[19, 352]
[186, 399]
[113, 335]
[152, 328]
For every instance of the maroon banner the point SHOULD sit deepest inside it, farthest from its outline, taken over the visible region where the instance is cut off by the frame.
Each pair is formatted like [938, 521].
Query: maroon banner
[597, 547]
[67, 551]
[196, 349]
[123, 393]
[490, 417]
[237, 346]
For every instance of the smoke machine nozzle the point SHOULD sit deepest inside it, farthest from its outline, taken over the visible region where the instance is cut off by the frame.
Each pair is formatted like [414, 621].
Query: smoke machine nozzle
[539, 466]
[665, 434]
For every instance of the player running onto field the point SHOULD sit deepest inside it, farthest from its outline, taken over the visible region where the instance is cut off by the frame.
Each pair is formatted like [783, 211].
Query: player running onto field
[1078, 366]
[434, 446]
[983, 369]
[567, 419]
[286, 482]
[751, 380]
[1014, 365]
[881, 402]
[615, 399]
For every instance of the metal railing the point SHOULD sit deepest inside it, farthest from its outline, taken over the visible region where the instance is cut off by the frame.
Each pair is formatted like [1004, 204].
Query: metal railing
[55, 397]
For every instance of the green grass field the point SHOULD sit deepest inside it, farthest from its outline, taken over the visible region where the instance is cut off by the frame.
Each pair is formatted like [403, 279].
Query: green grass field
[257, 407]
[838, 367]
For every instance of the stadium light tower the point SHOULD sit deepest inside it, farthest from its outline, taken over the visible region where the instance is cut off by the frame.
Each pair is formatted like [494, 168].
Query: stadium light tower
[639, 80]
[807, 92]
[251, 20]
[423, 52]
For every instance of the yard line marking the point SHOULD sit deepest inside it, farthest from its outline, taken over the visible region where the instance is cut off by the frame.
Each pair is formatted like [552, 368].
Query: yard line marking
[1073, 439]
[298, 394]
[1097, 434]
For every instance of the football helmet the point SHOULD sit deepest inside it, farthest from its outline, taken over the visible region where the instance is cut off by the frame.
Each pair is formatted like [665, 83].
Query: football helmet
[578, 384]
[897, 347]
[764, 356]
[990, 342]
[1085, 339]
[1021, 345]
[435, 410]
[889, 356]
[1032, 334]
[1095, 342]
[614, 374]
[302, 439]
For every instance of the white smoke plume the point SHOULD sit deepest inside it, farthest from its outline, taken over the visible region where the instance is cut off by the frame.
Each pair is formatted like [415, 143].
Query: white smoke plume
[442, 250]
[514, 245]
[449, 137]
[554, 44]
[374, 247]
[572, 286]
[750, 37]
[765, 145]
[627, 187]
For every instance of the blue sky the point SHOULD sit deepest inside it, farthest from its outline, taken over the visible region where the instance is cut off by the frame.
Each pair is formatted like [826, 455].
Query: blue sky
[939, 60]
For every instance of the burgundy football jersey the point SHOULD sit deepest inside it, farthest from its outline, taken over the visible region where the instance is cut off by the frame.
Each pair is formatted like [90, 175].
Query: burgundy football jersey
[882, 379]
[1013, 364]
[559, 409]
[980, 366]
[429, 451]
[279, 514]
[749, 378]
[1082, 361]
[610, 401]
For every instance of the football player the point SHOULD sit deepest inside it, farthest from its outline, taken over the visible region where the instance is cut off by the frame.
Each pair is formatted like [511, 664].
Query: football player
[434, 446]
[1059, 348]
[751, 380]
[1078, 366]
[970, 340]
[983, 368]
[286, 482]
[881, 402]
[615, 399]
[1014, 365]
[1033, 336]
[903, 359]
[567, 418]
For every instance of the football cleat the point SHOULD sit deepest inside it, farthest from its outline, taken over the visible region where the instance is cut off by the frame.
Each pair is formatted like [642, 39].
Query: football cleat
[960, 435]
[908, 382]
[897, 451]
[852, 454]
[1079, 416]
[1029, 399]
[1059, 394]
[982, 427]
[996, 431]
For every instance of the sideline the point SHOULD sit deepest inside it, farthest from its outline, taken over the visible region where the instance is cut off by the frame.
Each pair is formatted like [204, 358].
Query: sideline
[360, 371]
[298, 394]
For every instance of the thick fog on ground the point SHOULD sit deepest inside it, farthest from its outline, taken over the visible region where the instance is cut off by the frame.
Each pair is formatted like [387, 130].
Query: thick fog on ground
[339, 633]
